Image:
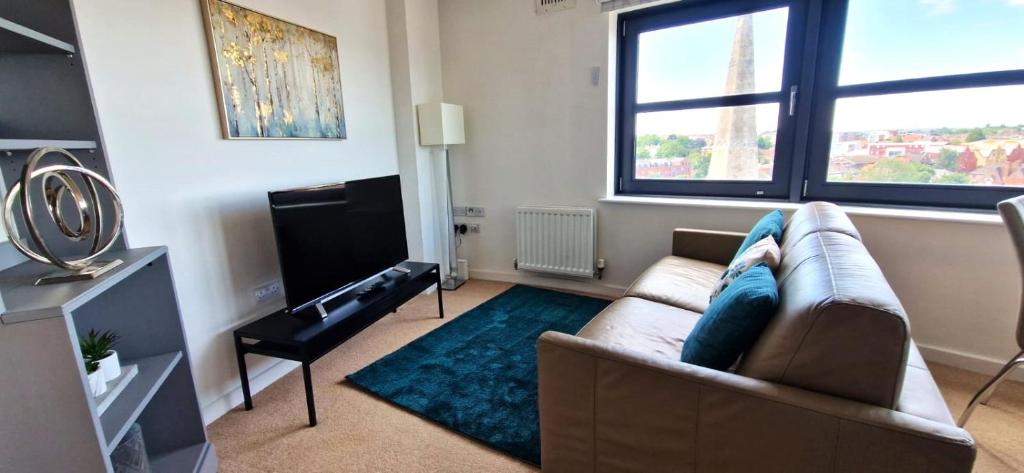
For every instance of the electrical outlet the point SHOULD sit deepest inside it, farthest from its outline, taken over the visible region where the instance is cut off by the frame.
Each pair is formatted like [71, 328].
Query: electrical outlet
[474, 228]
[268, 292]
[459, 211]
[475, 212]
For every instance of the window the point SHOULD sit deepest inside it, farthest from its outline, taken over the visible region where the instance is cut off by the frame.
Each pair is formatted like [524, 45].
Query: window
[703, 110]
[915, 102]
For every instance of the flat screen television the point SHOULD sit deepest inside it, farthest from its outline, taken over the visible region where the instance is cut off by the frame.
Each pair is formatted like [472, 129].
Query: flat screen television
[333, 235]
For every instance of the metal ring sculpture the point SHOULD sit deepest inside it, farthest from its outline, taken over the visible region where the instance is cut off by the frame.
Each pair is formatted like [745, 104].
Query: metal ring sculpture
[58, 184]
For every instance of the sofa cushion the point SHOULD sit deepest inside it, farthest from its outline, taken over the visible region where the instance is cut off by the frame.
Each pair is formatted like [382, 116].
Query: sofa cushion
[733, 321]
[769, 225]
[680, 282]
[815, 217]
[642, 325]
[839, 330]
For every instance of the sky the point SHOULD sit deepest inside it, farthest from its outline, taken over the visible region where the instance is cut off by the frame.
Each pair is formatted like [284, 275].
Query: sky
[885, 40]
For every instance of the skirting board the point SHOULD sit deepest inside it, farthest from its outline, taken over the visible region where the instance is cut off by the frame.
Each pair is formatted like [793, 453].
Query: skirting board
[594, 286]
[233, 398]
[967, 361]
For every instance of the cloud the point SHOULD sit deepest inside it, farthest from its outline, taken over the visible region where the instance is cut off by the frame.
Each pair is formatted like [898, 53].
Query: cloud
[943, 7]
[1015, 3]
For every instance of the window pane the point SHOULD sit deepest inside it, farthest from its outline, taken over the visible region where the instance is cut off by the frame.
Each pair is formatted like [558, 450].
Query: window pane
[729, 143]
[903, 39]
[730, 56]
[958, 137]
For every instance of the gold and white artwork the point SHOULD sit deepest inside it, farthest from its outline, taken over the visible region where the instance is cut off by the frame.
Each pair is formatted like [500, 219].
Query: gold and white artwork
[275, 79]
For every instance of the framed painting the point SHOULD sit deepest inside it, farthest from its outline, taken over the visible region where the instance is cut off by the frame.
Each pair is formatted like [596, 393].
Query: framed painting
[274, 79]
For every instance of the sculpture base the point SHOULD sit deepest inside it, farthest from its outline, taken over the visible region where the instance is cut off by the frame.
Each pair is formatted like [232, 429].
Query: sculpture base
[93, 271]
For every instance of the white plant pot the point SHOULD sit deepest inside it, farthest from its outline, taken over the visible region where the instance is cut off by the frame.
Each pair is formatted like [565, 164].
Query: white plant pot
[110, 366]
[97, 383]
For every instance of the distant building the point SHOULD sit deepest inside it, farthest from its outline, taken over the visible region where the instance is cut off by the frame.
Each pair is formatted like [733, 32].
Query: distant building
[662, 168]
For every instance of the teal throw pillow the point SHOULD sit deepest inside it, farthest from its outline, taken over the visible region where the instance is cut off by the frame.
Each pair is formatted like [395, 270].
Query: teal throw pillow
[733, 321]
[769, 225]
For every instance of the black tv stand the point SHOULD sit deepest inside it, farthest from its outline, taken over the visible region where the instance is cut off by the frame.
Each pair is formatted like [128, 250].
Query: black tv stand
[307, 338]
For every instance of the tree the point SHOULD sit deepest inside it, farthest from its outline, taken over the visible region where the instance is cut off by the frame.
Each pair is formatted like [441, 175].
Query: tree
[975, 135]
[643, 153]
[763, 142]
[672, 149]
[947, 159]
[644, 141]
[700, 163]
[892, 170]
[953, 178]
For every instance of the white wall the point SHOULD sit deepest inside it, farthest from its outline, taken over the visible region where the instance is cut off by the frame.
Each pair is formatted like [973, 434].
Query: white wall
[205, 197]
[537, 133]
[415, 48]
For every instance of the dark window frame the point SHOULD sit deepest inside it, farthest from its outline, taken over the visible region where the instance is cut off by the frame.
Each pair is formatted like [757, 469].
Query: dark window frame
[813, 54]
[828, 91]
[630, 28]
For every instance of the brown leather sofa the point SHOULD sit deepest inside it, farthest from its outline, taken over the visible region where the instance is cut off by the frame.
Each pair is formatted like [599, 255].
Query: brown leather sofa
[834, 384]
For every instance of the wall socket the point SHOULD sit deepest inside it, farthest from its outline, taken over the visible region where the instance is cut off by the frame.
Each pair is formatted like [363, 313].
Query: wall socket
[474, 227]
[268, 292]
[468, 211]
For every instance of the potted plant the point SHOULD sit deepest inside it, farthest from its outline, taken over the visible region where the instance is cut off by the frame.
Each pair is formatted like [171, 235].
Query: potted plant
[97, 383]
[99, 347]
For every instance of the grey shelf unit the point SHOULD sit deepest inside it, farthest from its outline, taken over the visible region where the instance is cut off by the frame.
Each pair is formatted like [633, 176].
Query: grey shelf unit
[29, 145]
[16, 38]
[50, 421]
[45, 100]
[50, 417]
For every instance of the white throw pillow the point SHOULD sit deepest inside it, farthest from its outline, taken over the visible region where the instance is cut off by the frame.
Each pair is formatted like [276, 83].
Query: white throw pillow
[764, 251]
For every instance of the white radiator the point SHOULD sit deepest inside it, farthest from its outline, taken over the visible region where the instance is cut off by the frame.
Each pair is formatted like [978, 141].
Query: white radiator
[559, 240]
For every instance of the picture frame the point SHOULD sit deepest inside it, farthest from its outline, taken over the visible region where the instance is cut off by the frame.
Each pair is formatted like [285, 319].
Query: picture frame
[274, 79]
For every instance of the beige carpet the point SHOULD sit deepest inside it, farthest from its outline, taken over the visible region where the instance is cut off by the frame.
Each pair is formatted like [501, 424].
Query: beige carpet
[358, 432]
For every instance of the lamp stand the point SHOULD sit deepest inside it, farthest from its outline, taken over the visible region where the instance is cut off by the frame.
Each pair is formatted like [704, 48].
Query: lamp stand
[454, 279]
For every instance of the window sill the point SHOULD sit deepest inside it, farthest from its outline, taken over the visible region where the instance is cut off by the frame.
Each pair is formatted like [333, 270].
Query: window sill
[935, 215]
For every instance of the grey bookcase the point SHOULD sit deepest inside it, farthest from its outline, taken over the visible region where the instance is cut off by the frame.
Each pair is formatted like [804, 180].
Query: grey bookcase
[50, 420]
[45, 100]
[50, 417]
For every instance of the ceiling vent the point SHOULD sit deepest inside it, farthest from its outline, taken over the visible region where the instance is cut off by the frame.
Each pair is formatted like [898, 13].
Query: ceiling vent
[549, 6]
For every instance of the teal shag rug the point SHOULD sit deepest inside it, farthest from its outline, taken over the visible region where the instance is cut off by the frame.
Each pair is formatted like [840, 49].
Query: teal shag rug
[477, 374]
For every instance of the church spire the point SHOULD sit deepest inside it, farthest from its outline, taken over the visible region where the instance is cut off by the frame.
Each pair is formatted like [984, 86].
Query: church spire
[735, 150]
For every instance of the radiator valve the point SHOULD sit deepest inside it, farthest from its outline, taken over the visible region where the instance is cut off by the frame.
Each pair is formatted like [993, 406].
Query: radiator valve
[600, 267]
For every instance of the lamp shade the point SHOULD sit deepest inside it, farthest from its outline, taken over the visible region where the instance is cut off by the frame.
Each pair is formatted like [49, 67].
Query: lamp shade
[440, 124]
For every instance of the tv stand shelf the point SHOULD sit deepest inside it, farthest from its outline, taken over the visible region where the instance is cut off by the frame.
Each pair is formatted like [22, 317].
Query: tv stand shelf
[307, 337]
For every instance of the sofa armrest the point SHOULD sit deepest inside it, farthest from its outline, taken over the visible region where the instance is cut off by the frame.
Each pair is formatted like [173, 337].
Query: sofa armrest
[607, 408]
[706, 245]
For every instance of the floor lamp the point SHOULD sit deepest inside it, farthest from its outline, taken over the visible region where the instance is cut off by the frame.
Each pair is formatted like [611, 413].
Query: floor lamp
[440, 124]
